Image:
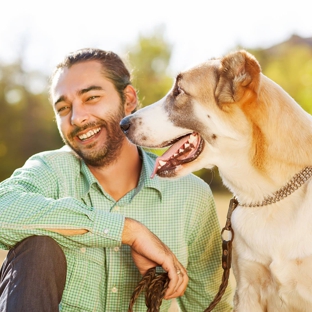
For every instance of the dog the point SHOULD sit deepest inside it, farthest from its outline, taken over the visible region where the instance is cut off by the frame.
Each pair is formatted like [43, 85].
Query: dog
[226, 113]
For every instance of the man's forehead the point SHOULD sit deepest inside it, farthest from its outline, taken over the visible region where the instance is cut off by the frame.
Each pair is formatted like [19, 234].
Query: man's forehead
[81, 68]
[79, 76]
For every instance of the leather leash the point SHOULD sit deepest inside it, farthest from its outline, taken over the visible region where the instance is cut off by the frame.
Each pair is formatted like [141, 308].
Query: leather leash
[155, 285]
[226, 255]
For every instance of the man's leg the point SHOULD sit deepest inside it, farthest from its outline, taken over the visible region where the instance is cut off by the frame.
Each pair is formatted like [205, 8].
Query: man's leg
[33, 276]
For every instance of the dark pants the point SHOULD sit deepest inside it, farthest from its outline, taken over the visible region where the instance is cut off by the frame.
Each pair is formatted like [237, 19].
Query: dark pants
[32, 277]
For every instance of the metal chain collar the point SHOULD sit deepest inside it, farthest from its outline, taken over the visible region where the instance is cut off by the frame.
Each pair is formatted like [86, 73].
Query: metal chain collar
[298, 180]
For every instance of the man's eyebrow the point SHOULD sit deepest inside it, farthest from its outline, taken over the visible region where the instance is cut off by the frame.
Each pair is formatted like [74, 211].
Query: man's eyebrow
[80, 92]
[60, 99]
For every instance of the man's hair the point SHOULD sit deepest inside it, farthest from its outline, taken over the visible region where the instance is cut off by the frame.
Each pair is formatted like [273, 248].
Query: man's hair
[113, 67]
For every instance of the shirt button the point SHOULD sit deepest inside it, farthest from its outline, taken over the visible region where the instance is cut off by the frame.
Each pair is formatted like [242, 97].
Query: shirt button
[116, 208]
[114, 289]
[83, 249]
[116, 249]
[106, 231]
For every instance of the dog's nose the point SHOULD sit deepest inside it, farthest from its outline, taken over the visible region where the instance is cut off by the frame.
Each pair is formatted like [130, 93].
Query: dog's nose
[125, 124]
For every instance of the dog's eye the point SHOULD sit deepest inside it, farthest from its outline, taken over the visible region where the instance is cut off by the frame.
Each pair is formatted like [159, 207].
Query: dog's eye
[177, 91]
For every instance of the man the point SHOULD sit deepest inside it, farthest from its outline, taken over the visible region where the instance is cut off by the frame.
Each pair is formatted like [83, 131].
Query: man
[90, 213]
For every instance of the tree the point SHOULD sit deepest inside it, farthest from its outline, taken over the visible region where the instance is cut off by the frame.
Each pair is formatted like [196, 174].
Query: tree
[290, 65]
[149, 59]
[26, 119]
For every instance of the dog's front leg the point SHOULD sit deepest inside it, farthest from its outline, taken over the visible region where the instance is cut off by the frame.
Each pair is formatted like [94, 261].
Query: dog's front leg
[247, 299]
[253, 286]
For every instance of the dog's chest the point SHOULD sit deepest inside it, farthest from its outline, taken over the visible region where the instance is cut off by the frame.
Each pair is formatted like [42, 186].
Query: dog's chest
[275, 231]
[273, 256]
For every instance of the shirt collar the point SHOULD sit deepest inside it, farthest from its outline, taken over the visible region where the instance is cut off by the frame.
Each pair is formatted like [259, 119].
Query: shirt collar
[148, 161]
[146, 172]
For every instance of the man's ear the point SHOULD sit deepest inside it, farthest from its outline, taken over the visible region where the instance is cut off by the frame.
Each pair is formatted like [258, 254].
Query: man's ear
[131, 99]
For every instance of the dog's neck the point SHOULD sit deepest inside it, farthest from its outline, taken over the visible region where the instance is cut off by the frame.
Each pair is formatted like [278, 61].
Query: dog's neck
[298, 180]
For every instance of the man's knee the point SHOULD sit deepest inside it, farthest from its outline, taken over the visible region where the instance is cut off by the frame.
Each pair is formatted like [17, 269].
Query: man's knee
[33, 275]
[40, 246]
[41, 253]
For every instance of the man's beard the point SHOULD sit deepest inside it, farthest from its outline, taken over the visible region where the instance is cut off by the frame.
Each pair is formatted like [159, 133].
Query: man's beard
[109, 152]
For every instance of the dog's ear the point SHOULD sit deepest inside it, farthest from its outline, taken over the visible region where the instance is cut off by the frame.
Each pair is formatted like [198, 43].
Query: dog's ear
[239, 77]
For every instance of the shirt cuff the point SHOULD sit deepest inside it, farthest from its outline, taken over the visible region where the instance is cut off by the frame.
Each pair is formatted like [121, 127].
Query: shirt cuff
[109, 226]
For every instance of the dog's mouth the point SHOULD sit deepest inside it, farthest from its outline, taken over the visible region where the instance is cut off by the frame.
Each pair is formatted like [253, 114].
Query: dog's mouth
[183, 150]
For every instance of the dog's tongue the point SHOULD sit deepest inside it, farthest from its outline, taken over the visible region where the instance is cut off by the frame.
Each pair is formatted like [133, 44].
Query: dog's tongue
[171, 151]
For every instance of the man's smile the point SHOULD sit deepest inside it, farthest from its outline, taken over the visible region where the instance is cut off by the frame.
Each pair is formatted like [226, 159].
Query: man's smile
[89, 134]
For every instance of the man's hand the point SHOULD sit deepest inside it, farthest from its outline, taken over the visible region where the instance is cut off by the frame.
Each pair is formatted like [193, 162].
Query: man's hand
[148, 251]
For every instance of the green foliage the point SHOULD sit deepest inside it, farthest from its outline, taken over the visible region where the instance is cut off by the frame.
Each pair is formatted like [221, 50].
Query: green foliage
[26, 118]
[290, 66]
[149, 59]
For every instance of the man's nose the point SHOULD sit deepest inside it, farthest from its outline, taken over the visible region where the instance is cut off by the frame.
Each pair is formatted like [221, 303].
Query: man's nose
[79, 116]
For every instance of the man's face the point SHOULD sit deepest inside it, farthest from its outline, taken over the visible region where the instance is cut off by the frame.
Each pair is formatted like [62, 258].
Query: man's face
[88, 110]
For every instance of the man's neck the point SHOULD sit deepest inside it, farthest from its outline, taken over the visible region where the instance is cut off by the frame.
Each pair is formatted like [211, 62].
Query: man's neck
[121, 176]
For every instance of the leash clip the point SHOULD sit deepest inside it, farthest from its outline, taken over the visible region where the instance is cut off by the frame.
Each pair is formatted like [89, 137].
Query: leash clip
[227, 243]
[227, 251]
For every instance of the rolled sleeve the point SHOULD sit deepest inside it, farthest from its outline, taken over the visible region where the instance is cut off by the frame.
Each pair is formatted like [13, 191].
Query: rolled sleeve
[109, 228]
[46, 194]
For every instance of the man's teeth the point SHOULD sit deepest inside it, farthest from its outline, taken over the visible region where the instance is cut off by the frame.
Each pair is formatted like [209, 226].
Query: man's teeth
[89, 134]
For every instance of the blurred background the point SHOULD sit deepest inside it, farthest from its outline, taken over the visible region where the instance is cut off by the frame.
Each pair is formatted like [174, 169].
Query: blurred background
[157, 39]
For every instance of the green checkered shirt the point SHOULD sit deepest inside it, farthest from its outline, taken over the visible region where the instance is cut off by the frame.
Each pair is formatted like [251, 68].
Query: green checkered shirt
[55, 189]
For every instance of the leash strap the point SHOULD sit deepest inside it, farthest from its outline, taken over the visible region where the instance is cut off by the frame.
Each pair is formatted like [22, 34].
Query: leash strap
[156, 285]
[226, 255]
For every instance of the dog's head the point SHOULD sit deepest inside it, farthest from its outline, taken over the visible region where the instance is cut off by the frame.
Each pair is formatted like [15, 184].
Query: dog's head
[203, 117]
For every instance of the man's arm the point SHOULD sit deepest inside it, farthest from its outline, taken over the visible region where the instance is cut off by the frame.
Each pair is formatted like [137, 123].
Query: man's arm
[38, 199]
[148, 251]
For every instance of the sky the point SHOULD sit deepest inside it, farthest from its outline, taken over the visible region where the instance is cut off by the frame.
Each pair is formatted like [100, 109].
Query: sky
[43, 31]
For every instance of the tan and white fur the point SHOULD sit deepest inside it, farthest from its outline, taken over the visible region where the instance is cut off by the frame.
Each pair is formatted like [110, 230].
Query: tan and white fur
[259, 138]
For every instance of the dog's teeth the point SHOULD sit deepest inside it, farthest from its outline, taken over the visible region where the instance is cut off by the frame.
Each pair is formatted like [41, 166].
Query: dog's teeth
[192, 138]
[161, 163]
[175, 155]
[186, 145]
[181, 150]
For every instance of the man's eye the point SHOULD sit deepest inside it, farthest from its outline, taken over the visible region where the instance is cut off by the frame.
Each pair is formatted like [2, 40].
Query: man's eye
[62, 109]
[92, 97]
